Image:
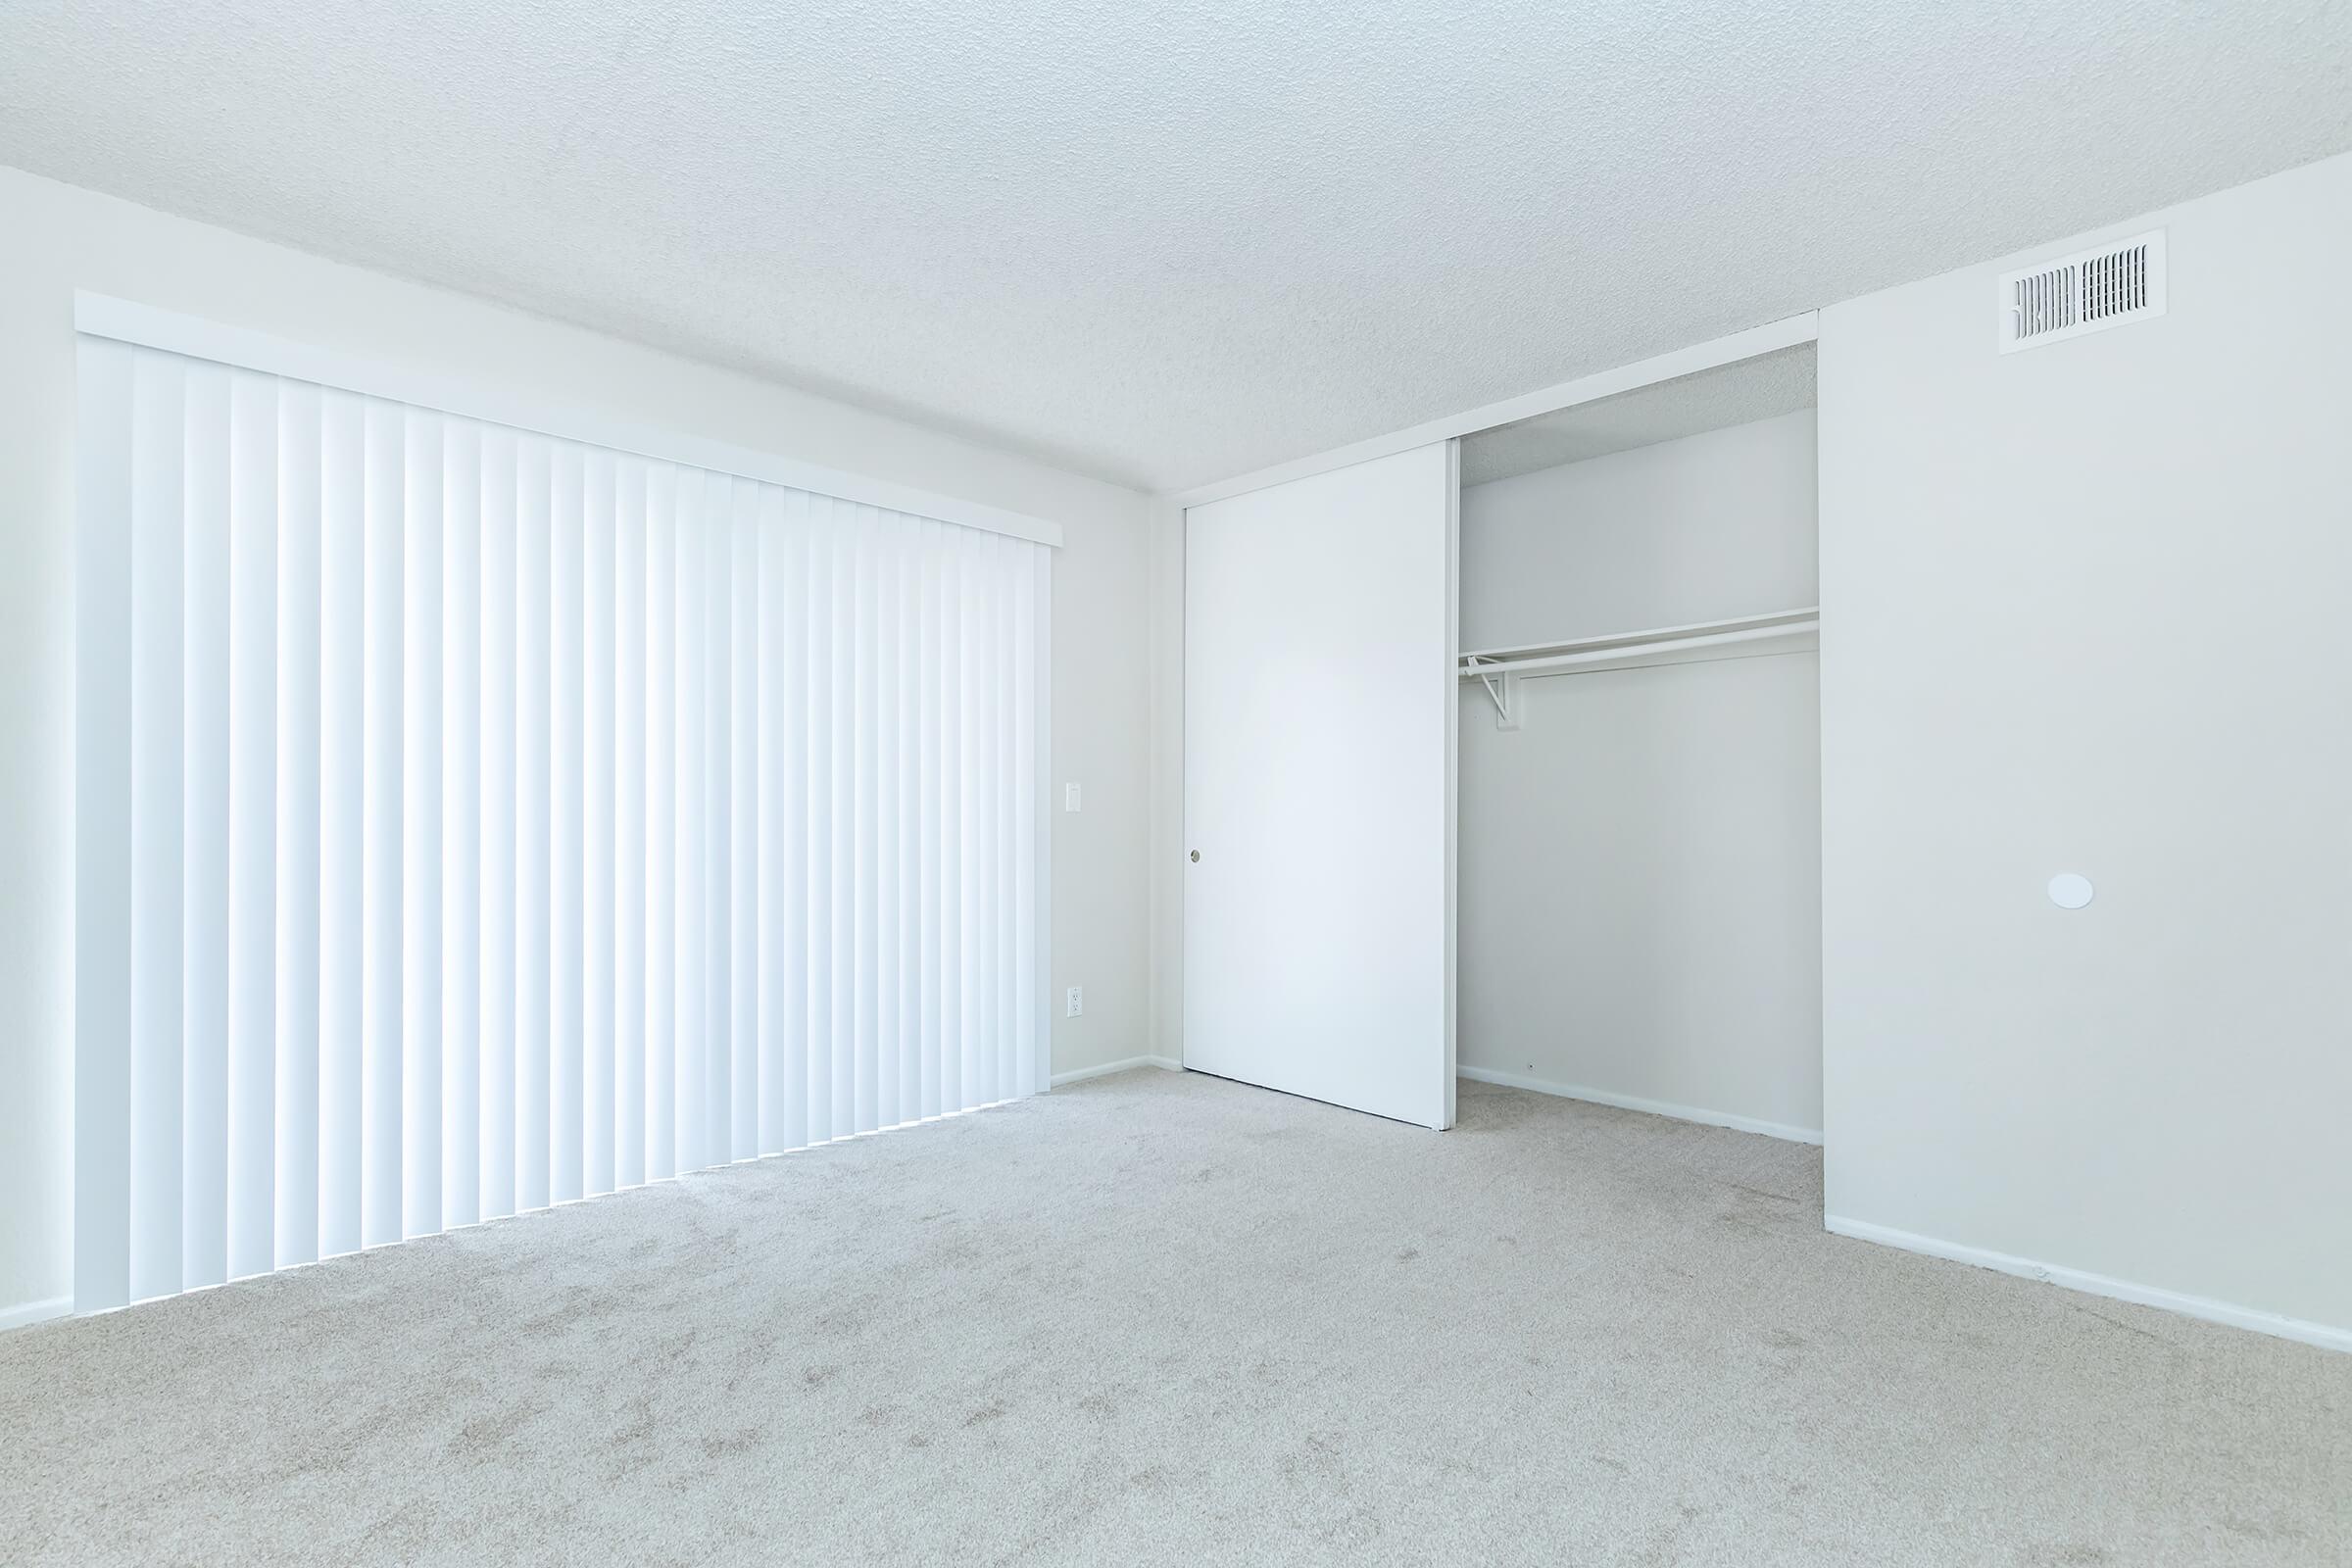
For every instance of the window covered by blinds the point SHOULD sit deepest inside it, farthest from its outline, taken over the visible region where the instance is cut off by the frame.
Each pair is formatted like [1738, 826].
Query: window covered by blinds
[473, 820]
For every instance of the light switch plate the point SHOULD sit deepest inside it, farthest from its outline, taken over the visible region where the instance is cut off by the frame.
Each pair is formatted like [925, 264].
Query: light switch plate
[1070, 797]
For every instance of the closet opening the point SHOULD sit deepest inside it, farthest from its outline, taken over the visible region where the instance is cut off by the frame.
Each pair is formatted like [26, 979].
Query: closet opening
[1639, 794]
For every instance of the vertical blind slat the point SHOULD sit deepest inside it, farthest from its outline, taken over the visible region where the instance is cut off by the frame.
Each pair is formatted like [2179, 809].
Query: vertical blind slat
[717, 532]
[158, 792]
[905, 544]
[462, 684]
[205, 696]
[103, 864]
[301, 877]
[1010, 968]
[791, 705]
[772, 809]
[864, 789]
[597, 830]
[929, 792]
[566, 862]
[251, 1123]
[841, 911]
[660, 824]
[381, 867]
[500, 488]
[954, 669]
[1036, 645]
[883, 701]
[534, 825]
[742, 586]
[817, 919]
[628, 809]
[691, 914]
[474, 821]
[342, 818]
[421, 831]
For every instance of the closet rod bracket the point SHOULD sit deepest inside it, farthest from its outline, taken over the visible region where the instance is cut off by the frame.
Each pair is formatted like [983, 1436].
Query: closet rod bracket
[1505, 696]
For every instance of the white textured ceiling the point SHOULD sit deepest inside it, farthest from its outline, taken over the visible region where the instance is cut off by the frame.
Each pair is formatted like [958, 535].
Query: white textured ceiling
[1173, 241]
[1738, 393]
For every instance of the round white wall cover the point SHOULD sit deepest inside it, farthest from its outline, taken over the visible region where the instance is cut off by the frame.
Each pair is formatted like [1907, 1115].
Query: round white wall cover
[2069, 891]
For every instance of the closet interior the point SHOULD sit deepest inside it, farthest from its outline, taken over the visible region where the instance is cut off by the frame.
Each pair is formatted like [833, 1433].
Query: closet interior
[1638, 860]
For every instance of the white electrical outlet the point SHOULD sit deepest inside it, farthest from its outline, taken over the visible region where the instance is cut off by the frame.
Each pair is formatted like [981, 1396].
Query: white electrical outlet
[1077, 993]
[1070, 797]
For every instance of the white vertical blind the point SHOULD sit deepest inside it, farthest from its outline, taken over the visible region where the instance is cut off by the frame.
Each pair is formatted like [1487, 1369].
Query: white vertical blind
[474, 819]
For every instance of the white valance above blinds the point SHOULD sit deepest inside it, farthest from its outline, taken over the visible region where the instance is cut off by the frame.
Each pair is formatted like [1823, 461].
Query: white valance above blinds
[472, 819]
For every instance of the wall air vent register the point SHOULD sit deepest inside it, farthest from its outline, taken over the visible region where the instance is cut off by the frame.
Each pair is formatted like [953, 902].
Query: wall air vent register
[2087, 292]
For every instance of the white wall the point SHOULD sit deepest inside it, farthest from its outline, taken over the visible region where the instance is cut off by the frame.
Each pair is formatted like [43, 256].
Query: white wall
[1167, 846]
[61, 238]
[2085, 610]
[1704, 529]
[1641, 861]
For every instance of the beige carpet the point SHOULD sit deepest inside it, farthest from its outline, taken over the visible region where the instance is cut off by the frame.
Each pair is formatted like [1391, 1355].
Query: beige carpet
[1162, 1318]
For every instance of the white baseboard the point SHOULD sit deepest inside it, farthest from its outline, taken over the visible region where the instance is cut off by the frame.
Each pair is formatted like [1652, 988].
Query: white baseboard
[23, 1312]
[2115, 1290]
[1655, 1108]
[1106, 1069]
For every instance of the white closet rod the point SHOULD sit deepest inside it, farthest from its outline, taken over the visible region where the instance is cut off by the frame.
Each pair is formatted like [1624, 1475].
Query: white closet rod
[1800, 620]
[1483, 665]
[1631, 651]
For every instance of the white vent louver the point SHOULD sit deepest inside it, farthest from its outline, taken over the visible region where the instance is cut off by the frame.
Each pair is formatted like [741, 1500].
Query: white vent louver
[2082, 293]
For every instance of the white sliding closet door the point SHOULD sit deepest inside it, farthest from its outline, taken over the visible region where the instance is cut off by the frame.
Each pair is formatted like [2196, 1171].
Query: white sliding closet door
[1319, 735]
[474, 819]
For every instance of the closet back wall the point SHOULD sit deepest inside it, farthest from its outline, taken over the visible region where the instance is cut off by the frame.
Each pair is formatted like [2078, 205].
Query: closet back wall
[64, 238]
[1641, 861]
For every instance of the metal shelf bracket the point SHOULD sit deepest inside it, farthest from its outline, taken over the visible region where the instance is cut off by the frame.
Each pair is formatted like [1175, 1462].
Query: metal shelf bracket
[1502, 690]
